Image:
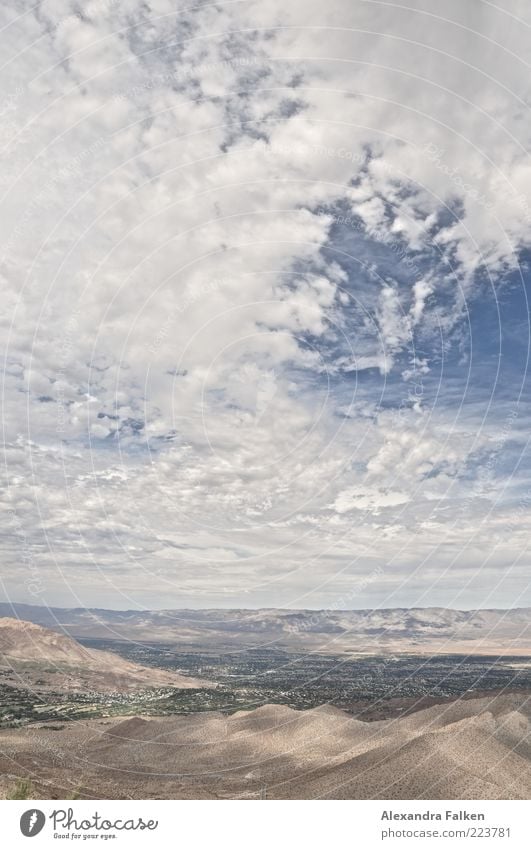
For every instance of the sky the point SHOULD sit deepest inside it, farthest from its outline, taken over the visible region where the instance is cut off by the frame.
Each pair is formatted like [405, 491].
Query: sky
[265, 275]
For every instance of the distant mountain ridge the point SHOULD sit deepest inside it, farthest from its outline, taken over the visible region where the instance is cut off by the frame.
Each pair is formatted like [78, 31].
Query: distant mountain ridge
[421, 630]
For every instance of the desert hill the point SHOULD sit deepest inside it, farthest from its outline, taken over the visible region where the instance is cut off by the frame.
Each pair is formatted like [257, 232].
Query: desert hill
[471, 749]
[415, 630]
[35, 654]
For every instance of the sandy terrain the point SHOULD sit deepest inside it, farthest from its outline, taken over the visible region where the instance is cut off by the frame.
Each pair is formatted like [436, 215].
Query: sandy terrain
[467, 749]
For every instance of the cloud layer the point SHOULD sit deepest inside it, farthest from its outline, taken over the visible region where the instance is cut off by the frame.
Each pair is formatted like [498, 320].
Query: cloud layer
[265, 303]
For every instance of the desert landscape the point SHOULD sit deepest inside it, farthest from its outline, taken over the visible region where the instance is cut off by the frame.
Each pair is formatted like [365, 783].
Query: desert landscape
[468, 749]
[266, 416]
[228, 714]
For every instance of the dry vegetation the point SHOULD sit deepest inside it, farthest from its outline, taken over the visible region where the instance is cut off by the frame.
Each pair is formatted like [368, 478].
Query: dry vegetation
[467, 749]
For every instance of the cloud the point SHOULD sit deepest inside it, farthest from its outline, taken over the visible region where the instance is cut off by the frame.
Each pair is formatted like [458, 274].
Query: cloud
[243, 247]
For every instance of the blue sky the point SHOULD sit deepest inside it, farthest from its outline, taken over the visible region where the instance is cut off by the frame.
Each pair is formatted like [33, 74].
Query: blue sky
[265, 283]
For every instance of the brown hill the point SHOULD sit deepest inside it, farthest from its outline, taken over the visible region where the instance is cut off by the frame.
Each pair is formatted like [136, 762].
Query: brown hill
[472, 749]
[35, 654]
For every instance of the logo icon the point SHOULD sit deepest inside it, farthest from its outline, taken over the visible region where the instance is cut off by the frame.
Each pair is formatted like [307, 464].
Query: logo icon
[32, 822]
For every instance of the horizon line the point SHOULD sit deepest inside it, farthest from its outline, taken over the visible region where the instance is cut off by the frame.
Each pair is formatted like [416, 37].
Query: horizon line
[256, 609]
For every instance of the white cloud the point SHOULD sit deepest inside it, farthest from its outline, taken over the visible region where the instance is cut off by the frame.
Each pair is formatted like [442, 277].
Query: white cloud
[185, 330]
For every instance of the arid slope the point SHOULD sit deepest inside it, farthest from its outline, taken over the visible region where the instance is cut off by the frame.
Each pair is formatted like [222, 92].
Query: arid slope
[32, 654]
[469, 749]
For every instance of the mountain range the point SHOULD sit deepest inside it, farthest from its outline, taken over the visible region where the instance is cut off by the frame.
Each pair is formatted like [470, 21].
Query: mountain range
[415, 630]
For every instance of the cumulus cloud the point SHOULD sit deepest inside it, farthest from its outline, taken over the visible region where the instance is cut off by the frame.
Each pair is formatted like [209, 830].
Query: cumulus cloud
[245, 247]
